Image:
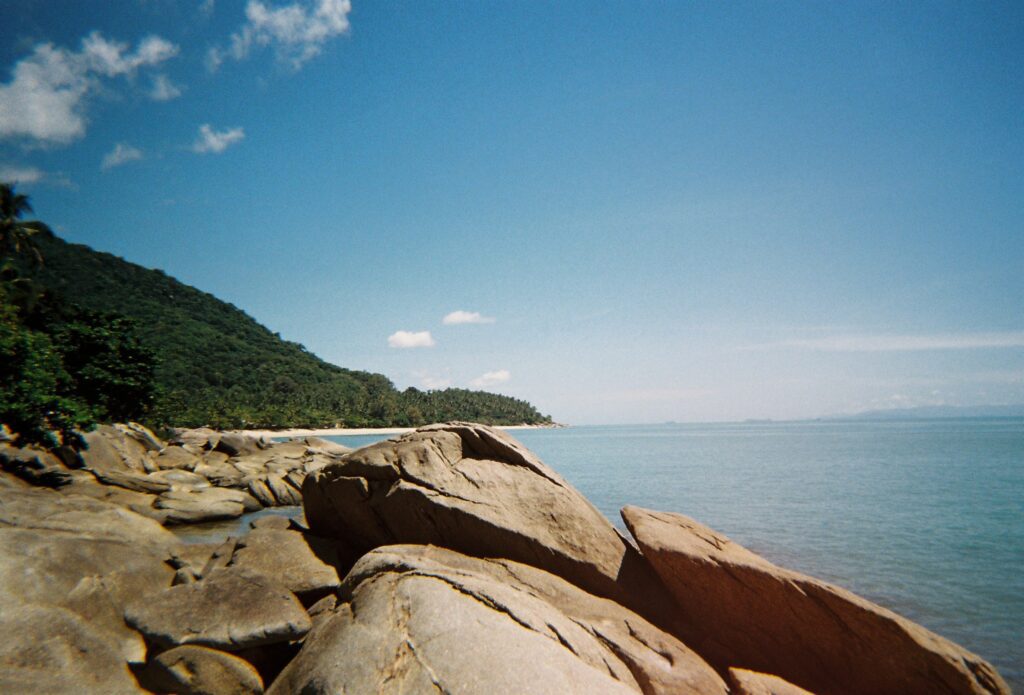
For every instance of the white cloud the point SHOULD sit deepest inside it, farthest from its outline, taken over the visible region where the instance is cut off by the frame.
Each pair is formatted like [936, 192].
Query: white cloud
[494, 378]
[121, 154]
[296, 31]
[211, 140]
[164, 89]
[13, 173]
[901, 343]
[45, 98]
[459, 317]
[410, 339]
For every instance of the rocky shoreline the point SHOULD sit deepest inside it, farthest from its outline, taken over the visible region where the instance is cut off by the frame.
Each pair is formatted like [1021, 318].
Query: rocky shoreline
[449, 559]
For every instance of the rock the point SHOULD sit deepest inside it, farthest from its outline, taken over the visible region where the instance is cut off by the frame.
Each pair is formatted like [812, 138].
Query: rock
[117, 448]
[85, 483]
[220, 474]
[284, 494]
[195, 670]
[740, 610]
[258, 488]
[76, 514]
[476, 490]
[176, 457]
[295, 479]
[305, 565]
[177, 478]
[84, 555]
[52, 650]
[229, 609]
[275, 521]
[323, 446]
[220, 557]
[234, 444]
[745, 682]
[131, 480]
[418, 619]
[35, 466]
[199, 437]
[193, 505]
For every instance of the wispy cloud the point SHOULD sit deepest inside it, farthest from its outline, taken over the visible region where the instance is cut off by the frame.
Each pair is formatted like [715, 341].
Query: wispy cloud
[45, 99]
[13, 173]
[494, 378]
[898, 343]
[410, 339]
[459, 317]
[121, 154]
[296, 31]
[215, 141]
[163, 89]
[432, 382]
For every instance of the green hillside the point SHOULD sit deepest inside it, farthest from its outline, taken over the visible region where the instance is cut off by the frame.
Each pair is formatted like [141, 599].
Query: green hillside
[217, 366]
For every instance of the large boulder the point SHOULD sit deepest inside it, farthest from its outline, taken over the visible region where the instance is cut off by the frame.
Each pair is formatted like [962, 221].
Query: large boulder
[198, 504]
[476, 490]
[229, 609]
[419, 619]
[34, 466]
[743, 682]
[305, 565]
[194, 670]
[47, 649]
[128, 447]
[80, 515]
[741, 610]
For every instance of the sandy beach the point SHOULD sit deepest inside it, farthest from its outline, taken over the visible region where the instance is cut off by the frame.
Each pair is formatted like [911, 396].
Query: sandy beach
[343, 431]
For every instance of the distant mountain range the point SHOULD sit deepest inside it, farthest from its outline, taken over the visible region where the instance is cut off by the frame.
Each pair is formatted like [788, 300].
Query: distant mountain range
[937, 411]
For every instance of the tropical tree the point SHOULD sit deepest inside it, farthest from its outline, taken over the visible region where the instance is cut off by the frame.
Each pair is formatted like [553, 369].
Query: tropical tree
[17, 235]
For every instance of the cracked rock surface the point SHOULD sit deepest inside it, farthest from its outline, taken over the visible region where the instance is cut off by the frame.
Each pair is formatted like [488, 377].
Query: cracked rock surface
[425, 619]
[741, 610]
[476, 490]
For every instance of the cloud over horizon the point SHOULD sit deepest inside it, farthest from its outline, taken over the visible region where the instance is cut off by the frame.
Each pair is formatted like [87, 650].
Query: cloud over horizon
[899, 343]
[45, 99]
[487, 379]
[210, 140]
[410, 339]
[459, 317]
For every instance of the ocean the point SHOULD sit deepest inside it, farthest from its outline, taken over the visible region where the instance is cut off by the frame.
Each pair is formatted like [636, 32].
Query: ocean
[923, 517]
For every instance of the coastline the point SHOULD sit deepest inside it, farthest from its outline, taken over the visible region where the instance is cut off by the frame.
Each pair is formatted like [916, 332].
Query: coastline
[354, 431]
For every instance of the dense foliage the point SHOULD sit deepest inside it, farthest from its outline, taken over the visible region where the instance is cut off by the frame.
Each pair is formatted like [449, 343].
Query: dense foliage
[217, 366]
[62, 368]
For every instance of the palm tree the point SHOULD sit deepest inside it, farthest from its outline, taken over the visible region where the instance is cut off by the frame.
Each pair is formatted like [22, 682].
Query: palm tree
[16, 235]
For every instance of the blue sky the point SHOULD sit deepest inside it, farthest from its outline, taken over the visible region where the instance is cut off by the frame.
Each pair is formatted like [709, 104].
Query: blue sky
[658, 211]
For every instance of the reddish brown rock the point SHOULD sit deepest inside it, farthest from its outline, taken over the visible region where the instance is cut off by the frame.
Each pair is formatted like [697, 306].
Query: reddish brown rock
[743, 682]
[740, 610]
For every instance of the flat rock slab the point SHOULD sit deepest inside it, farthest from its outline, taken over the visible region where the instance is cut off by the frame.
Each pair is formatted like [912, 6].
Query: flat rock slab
[305, 565]
[743, 682]
[46, 649]
[741, 610]
[476, 490]
[194, 670]
[229, 609]
[193, 505]
[425, 619]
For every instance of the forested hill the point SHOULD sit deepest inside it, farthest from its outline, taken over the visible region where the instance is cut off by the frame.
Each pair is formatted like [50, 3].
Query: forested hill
[217, 366]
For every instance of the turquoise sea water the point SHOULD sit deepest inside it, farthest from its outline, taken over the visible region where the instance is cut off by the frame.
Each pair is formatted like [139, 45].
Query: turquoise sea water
[924, 517]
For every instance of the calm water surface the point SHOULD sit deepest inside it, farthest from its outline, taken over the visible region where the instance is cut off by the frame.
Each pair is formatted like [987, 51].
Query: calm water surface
[924, 517]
